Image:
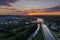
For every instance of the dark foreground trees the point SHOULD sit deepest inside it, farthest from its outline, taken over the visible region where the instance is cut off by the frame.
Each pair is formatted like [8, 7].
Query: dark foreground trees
[16, 32]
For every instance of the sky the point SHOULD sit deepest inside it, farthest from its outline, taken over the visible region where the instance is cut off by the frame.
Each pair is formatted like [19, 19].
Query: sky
[29, 7]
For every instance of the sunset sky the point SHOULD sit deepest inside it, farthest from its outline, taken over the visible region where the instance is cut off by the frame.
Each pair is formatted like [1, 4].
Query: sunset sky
[29, 7]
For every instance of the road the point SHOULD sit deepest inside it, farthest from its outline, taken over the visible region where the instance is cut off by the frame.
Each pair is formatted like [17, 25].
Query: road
[47, 33]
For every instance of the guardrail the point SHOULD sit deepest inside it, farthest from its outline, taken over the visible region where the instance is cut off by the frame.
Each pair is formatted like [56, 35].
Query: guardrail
[53, 34]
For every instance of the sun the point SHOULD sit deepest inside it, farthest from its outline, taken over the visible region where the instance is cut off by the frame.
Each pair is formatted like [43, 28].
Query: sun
[30, 14]
[33, 13]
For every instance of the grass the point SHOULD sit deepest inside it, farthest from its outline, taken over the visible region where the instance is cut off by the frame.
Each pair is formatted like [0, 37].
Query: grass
[39, 35]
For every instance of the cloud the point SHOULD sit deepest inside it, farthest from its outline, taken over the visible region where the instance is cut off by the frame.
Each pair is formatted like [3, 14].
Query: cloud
[57, 8]
[7, 2]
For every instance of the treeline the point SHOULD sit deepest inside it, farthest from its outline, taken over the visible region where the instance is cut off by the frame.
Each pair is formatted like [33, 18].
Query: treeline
[54, 19]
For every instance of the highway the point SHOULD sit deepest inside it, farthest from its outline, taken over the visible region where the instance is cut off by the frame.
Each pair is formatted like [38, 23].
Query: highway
[47, 33]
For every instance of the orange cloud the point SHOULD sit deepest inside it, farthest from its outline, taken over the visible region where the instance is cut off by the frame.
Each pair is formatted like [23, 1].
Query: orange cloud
[31, 12]
[2, 11]
[44, 13]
